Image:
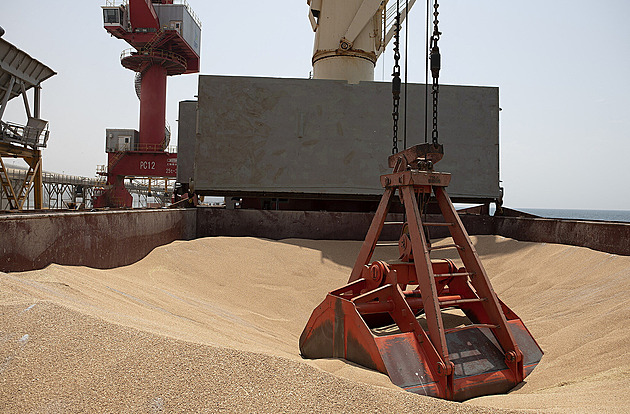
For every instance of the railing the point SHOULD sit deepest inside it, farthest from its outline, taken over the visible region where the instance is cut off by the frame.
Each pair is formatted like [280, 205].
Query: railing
[156, 38]
[113, 161]
[149, 148]
[24, 134]
[53, 178]
[167, 134]
[190, 10]
[114, 3]
[157, 53]
[61, 189]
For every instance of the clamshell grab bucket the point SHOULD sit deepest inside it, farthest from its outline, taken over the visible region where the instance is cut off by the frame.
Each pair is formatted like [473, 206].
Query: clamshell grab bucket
[434, 328]
[337, 329]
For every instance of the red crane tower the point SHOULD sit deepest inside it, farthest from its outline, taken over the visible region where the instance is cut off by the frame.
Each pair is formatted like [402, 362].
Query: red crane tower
[166, 40]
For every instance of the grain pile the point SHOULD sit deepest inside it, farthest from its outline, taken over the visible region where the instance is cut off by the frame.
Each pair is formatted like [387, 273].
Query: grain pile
[213, 324]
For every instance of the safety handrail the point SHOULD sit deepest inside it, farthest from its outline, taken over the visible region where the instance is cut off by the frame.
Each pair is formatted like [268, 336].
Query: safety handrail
[24, 134]
[158, 53]
[114, 3]
[190, 10]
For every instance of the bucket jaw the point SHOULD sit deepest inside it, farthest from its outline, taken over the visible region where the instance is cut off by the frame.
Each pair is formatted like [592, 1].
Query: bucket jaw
[434, 328]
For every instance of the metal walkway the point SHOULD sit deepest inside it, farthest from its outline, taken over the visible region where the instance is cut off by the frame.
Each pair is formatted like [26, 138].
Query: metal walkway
[63, 191]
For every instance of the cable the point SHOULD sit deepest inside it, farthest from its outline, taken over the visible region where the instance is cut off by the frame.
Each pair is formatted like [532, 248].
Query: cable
[426, 74]
[435, 70]
[406, 65]
[396, 79]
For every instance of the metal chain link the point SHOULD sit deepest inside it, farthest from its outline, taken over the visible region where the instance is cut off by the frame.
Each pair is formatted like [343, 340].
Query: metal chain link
[396, 79]
[435, 71]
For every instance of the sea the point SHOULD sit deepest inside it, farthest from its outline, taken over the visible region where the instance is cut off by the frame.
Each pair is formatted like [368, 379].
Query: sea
[605, 215]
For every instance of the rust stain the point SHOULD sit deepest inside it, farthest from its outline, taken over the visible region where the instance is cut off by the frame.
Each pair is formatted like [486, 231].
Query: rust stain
[278, 174]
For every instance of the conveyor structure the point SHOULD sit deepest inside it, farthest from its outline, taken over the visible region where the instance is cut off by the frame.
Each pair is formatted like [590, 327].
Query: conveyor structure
[20, 73]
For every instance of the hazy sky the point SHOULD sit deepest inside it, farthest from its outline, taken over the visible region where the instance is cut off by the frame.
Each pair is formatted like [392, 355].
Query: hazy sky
[563, 69]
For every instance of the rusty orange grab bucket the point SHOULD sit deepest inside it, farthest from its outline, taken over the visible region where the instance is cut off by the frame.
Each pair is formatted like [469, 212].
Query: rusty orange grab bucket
[434, 328]
[339, 328]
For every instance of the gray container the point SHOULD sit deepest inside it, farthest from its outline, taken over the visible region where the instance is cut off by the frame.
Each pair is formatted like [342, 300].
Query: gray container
[325, 138]
[179, 17]
[121, 140]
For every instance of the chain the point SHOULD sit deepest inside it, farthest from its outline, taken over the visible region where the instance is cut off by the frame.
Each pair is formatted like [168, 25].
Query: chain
[435, 71]
[396, 79]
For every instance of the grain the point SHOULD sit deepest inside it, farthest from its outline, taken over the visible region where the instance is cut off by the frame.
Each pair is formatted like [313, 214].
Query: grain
[212, 325]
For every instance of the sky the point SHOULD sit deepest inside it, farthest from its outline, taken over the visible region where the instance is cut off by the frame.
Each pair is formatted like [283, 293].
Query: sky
[562, 68]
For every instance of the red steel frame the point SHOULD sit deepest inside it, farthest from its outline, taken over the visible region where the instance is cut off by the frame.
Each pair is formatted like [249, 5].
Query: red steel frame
[340, 326]
[159, 53]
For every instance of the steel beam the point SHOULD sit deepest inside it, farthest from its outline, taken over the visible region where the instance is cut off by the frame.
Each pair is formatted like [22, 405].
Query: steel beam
[6, 96]
[25, 98]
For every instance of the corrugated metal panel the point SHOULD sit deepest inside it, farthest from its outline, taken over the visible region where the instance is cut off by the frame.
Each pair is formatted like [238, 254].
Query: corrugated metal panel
[15, 62]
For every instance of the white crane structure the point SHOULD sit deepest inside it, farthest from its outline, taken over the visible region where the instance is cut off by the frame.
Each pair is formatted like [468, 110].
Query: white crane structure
[350, 35]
